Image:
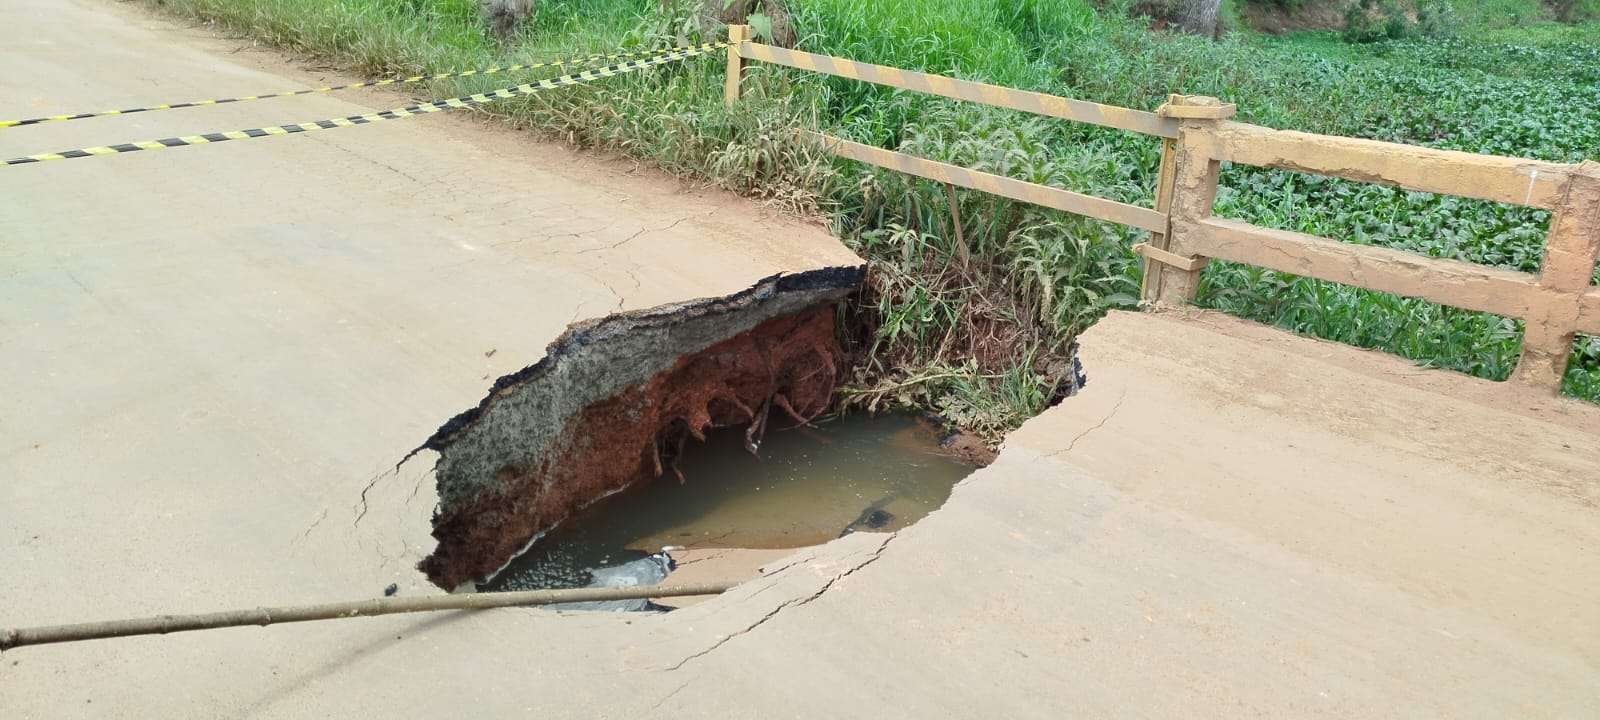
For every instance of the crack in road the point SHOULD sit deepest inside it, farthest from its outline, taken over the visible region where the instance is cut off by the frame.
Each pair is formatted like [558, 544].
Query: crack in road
[314, 524]
[793, 602]
[370, 484]
[669, 695]
[643, 231]
[1096, 426]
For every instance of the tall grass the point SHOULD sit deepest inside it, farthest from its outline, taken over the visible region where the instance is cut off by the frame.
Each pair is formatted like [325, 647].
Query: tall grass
[671, 115]
[981, 328]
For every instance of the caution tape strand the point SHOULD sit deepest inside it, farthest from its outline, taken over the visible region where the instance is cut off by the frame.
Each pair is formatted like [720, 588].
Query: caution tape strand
[350, 86]
[395, 114]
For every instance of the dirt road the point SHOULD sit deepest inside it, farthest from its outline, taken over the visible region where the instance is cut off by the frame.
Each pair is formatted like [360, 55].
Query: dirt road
[213, 353]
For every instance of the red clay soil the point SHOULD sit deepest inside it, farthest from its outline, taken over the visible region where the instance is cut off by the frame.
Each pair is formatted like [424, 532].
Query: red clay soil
[1276, 19]
[969, 449]
[787, 365]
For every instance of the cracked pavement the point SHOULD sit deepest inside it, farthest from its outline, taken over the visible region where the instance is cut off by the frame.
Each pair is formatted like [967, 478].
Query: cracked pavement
[219, 355]
[832, 572]
[209, 347]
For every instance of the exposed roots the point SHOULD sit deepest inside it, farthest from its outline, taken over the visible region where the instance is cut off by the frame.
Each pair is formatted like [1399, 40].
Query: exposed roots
[791, 362]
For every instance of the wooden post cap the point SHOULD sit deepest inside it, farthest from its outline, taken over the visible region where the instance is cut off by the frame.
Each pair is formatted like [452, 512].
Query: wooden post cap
[1196, 107]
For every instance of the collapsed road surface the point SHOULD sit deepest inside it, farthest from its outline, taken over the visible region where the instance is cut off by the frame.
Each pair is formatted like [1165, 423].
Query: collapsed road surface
[213, 353]
[612, 404]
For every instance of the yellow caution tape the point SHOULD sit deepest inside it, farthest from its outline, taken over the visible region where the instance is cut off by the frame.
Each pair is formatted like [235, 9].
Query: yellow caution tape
[395, 114]
[336, 88]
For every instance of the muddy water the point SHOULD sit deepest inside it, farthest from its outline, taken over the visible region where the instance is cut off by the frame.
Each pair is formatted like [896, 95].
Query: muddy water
[807, 487]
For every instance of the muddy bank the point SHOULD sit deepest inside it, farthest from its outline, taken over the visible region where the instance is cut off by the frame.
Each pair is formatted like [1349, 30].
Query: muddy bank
[612, 404]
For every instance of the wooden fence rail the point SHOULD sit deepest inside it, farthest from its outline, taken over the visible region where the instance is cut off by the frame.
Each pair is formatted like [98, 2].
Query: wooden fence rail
[1448, 172]
[1024, 100]
[1042, 195]
[1447, 282]
[1555, 305]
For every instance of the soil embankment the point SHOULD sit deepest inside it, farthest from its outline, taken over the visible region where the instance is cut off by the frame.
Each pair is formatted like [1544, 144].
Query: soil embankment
[612, 404]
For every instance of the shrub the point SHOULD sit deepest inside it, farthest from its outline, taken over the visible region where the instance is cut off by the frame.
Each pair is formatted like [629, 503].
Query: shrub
[1370, 21]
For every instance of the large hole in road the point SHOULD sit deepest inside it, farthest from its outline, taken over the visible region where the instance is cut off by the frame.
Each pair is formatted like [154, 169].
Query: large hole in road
[700, 424]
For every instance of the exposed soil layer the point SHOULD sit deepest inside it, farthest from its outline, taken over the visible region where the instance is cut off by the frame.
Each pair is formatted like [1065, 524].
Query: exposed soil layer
[1277, 19]
[613, 403]
[968, 449]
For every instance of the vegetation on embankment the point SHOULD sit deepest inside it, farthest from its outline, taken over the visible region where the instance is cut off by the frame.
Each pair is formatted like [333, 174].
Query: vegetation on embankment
[985, 341]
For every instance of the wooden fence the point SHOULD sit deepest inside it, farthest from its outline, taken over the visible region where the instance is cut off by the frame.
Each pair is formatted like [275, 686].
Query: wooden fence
[1197, 136]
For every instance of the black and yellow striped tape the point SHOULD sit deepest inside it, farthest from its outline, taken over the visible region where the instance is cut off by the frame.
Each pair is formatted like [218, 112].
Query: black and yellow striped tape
[395, 114]
[351, 86]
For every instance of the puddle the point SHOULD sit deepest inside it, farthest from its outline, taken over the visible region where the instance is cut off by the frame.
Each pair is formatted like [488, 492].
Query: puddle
[809, 484]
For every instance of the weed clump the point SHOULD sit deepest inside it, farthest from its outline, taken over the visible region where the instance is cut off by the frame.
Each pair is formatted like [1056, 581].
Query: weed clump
[1368, 21]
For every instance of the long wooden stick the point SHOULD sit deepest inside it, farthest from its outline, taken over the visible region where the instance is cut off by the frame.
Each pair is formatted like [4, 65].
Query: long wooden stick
[162, 624]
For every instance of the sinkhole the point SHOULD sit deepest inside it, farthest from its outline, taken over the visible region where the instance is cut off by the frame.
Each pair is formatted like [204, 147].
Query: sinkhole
[702, 424]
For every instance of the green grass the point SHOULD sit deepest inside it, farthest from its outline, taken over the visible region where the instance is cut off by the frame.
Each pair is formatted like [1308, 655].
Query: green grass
[985, 341]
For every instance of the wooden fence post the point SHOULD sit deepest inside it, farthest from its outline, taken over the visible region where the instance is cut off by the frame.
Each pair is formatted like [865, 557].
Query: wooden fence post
[730, 91]
[1189, 182]
[1151, 276]
[1568, 269]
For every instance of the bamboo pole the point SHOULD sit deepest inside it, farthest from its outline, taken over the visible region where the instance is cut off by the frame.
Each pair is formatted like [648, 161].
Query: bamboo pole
[163, 624]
